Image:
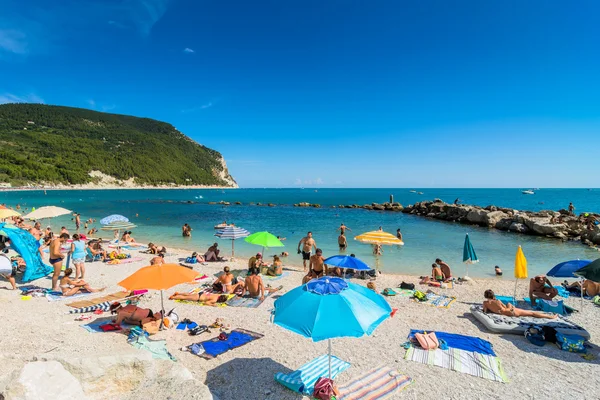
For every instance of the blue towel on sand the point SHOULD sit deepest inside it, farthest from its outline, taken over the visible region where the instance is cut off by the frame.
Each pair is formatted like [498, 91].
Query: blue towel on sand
[235, 339]
[462, 342]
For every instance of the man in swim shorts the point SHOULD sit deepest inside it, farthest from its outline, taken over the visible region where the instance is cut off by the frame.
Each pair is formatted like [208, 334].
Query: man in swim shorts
[342, 242]
[307, 243]
[316, 267]
[56, 257]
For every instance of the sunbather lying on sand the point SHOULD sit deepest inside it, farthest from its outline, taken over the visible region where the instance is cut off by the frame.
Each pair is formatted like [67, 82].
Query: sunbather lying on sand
[133, 314]
[70, 286]
[495, 306]
[590, 288]
[209, 299]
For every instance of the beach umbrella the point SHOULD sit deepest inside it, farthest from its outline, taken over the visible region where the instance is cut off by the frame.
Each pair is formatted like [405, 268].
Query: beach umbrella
[159, 277]
[113, 218]
[347, 262]
[590, 271]
[47, 212]
[232, 233]
[378, 237]
[469, 256]
[520, 268]
[7, 213]
[328, 308]
[567, 269]
[264, 239]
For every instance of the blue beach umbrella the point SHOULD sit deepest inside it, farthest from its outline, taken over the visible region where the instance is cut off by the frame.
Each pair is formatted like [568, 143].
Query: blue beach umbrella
[328, 308]
[566, 269]
[344, 262]
[232, 233]
[469, 256]
[113, 218]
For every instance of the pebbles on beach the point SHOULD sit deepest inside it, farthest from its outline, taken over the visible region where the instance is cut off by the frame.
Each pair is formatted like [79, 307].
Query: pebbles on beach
[39, 330]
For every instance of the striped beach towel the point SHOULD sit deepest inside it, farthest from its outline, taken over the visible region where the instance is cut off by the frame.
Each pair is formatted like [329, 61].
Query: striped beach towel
[467, 362]
[105, 306]
[117, 296]
[303, 379]
[378, 383]
[438, 300]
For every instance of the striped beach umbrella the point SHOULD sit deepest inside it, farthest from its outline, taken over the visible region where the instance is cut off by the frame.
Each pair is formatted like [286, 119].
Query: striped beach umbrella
[232, 233]
[118, 226]
[113, 218]
[469, 256]
[379, 237]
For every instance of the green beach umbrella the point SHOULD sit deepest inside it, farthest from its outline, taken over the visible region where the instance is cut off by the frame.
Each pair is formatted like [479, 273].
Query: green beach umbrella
[590, 271]
[469, 256]
[264, 239]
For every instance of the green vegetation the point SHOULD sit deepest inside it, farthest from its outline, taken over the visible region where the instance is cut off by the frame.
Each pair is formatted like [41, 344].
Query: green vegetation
[53, 144]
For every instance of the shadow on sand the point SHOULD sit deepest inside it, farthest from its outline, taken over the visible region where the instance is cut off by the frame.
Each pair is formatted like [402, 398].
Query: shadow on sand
[249, 378]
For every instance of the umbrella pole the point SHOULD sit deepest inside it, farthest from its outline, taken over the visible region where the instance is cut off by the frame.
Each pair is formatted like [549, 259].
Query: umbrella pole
[515, 294]
[232, 251]
[581, 290]
[329, 341]
[162, 307]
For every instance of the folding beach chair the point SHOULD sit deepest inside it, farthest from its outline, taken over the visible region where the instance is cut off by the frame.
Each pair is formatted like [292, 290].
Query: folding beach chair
[303, 379]
[90, 257]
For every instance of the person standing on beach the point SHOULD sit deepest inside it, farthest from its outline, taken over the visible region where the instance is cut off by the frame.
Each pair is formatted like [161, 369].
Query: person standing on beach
[77, 221]
[571, 209]
[56, 258]
[307, 243]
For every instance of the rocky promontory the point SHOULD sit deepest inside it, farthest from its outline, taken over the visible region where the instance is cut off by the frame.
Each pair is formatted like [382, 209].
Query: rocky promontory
[554, 224]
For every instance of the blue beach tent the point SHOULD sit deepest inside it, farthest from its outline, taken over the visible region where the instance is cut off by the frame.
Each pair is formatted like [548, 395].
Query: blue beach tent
[27, 246]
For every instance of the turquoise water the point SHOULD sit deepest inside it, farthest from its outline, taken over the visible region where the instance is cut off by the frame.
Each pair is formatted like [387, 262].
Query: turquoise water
[162, 212]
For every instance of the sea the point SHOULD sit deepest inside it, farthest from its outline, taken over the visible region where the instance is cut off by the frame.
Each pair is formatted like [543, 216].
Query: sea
[159, 215]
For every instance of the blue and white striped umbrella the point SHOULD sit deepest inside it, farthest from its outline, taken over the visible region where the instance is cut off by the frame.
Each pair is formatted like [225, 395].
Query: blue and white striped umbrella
[232, 233]
[113, 218]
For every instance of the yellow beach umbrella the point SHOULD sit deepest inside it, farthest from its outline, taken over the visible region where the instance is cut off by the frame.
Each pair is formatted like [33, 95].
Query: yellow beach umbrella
[7, 213]
[520, 268]
[379, 237]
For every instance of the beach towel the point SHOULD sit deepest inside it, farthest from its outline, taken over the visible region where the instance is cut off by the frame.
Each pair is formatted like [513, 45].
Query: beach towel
[562, 291]
[124, 261]
[104, 307]
[204, 290]
[210, 349]
[404, 292]
[98, 300]
[507, 300]
[60, 297]
[96, 326]
[376, 384]
[462, 342]
[304, 378]
[276, 278]
[438, 300]
[250, 302]
[158, 348]
[466, 362]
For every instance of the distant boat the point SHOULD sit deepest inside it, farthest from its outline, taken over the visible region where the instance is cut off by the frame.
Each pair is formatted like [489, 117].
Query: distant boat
[413, 191]
[528, 192]
[419, 192]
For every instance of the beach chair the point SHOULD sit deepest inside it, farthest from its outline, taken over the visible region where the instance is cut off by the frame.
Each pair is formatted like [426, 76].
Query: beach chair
[303, 379]
[90, 257]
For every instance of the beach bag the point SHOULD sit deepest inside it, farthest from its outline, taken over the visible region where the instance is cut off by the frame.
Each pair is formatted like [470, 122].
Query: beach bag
[552, 306]
[420, 295]
[535, 335]
[325, 389]
[191, 260]
[596, 300]
[549, 333]
[570, 343]
[409, 286]
[428, 341]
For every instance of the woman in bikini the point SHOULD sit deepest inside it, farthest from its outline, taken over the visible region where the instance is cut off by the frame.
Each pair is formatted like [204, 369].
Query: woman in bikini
[69, 287]
[132, 314]
[227, 279]
[209, 299]
[495, 306]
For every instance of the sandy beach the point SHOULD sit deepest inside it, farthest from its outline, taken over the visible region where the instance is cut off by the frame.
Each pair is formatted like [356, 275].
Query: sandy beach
[37, 330]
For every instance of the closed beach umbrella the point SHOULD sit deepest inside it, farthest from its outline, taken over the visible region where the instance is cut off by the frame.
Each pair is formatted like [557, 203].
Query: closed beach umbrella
[328, 308]
[113, 218]
[520, 268]
[159, 277]
[469, 256]
[7, 213]
[47, 212]
[379, 237]
[264, 239]
[232, 233]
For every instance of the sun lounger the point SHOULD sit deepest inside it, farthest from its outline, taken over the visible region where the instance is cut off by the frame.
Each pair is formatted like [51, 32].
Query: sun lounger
[517, 325]
[377, 384]
[303, 379]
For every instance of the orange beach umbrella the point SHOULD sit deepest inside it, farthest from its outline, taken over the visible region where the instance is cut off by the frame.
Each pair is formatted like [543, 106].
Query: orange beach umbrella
[159, 277]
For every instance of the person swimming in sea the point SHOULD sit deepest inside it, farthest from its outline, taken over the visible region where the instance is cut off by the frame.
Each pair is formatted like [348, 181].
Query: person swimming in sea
[498, 271]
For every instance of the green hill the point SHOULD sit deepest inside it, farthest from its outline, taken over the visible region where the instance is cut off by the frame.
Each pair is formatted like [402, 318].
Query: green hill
[54, 144]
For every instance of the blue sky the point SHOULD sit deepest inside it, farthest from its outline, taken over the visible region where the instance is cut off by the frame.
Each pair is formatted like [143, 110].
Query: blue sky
[332, 93]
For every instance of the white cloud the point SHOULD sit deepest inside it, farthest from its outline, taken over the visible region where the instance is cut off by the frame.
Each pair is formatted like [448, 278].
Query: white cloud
[188, 50]
[13, 41]
[298, 181]
[198, 108]
[12, 98]
[92, 103]
[318, 181]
